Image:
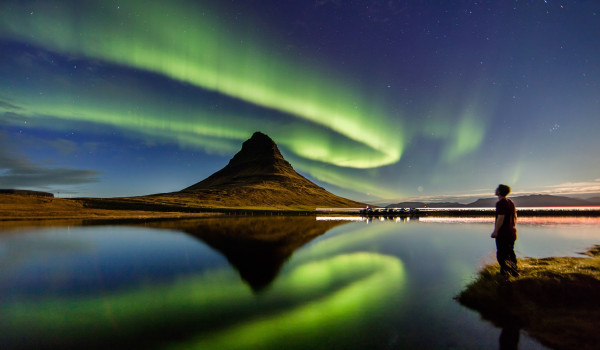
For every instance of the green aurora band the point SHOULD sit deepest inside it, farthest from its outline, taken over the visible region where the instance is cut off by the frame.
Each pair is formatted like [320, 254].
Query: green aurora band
[333, 286]
[183, 43]
[327, 127]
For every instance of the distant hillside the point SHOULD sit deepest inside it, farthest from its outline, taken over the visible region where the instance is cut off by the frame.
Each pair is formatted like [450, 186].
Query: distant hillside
[535, 200]
[26, 193]
[595, 200]
[426, 205]
[257, 177]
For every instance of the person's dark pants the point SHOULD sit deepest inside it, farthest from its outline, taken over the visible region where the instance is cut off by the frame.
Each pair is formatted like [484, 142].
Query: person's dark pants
[505, 253]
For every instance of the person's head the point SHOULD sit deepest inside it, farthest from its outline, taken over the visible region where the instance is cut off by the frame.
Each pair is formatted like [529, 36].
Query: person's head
[502, 190]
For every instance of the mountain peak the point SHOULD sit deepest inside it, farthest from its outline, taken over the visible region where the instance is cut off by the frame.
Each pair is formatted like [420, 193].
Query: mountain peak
[259, 137]
[258, 147]
[258, 161]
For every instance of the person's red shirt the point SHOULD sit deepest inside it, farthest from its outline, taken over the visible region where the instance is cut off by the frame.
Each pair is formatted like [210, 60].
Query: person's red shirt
[507, 208]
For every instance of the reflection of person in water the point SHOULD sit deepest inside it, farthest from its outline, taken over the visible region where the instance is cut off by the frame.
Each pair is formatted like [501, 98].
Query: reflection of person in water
[505, 232]
[509, 338]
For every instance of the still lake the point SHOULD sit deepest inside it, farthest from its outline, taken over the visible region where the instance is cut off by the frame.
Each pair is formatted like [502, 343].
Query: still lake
[315, 283]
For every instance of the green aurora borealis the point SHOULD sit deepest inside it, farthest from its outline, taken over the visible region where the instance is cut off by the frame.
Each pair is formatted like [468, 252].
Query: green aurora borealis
[182, 48]
[173, 73]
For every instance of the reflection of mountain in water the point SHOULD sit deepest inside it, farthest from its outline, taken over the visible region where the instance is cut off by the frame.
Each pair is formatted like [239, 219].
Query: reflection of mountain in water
[256, 246]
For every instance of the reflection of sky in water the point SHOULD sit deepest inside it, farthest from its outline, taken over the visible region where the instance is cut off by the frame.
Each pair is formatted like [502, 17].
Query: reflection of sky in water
[381, 285]
[82, 259]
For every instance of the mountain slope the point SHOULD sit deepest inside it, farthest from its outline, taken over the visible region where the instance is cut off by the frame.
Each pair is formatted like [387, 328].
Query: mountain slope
[257, 177]
[258, 162]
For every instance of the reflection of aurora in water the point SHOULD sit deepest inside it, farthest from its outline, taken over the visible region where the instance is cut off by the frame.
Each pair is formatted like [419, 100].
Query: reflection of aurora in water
[331, 286]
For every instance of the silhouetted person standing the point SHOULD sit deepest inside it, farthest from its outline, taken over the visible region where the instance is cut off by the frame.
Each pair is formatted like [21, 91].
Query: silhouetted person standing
[505, 232]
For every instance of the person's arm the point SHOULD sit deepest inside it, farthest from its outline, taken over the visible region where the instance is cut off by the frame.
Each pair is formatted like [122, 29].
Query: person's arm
[499, 221]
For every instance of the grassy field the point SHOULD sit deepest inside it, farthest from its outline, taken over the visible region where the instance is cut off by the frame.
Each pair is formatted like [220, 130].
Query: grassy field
[555, 300]
[18, 208]
[268, 196]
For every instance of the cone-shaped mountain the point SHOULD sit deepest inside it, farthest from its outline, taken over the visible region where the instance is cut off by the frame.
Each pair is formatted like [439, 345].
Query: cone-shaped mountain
[258, 176]
[258, 161]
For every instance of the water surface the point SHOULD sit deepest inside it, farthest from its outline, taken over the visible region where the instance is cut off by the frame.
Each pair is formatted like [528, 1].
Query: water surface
[294, 282]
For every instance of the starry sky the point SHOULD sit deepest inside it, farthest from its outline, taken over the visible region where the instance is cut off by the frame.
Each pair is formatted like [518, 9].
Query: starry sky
[375, 100]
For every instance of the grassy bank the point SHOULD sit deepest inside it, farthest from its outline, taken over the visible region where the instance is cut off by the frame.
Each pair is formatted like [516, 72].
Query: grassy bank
[555, 300]
[19, 208]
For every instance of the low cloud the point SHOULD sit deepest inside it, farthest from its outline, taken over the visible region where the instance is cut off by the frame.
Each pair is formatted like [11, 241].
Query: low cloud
[17, 171]
[45, 177]
[583, 187]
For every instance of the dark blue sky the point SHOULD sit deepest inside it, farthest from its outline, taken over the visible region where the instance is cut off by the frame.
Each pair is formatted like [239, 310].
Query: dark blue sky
[374, 100]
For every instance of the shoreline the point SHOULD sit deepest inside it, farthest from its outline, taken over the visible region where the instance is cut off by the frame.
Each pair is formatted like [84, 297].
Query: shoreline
[555, 299]
[19, 207]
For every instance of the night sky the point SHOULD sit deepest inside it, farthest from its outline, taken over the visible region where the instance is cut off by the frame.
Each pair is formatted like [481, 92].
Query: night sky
[374, 100]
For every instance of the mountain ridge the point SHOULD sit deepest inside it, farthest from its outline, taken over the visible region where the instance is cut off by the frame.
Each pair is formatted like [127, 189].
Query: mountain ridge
[533, 200]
